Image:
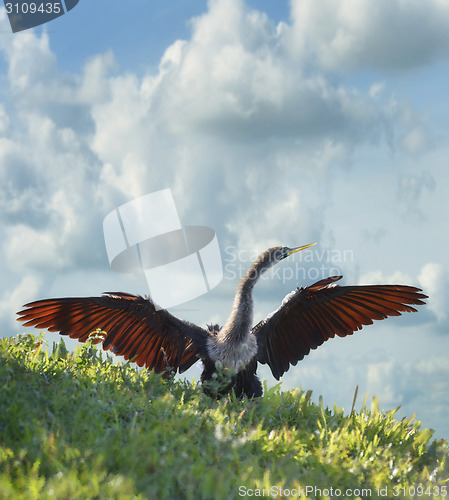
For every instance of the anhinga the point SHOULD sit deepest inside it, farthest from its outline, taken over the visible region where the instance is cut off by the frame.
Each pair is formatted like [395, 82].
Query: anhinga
[156, 339]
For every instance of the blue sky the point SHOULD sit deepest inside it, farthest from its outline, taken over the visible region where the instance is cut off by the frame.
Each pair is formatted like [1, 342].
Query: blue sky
[273, 123]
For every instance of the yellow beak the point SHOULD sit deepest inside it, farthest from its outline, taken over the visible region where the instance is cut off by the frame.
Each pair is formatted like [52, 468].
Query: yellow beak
[298, 249]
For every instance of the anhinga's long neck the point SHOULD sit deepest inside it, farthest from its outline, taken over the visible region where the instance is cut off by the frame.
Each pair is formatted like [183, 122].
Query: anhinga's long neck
[239, 323]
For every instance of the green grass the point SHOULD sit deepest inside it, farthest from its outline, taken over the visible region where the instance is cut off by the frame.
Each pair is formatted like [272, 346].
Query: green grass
[79, 426]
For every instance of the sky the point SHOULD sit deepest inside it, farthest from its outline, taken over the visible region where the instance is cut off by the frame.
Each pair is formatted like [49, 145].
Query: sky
[274, 123]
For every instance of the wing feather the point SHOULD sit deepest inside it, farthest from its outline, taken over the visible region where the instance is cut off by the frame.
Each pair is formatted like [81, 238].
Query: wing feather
[134, 328]
[310, 316]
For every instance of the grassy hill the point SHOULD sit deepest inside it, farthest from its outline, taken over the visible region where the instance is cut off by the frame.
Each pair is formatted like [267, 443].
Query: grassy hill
[78, 426]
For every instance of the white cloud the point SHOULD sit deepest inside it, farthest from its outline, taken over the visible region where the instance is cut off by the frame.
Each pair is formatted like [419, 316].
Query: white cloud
[12, 300]
[229, 103]
[382, 378]
[4, 121]
[414, 140]
[419, 387]
[49, 187]
[434, 279]
[30, 61]
[376, 89]
[361, 34]
[380, 278]
[411, 188]
[235, 79]
[94, 84]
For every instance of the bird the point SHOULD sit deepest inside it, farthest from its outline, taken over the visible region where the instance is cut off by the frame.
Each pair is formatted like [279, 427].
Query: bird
[136, 328]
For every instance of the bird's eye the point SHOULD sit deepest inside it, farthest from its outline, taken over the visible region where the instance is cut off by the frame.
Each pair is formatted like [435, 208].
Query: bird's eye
[281, 253]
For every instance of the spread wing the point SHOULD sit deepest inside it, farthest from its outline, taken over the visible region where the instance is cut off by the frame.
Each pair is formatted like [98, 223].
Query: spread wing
[134, 328]
[310, 316]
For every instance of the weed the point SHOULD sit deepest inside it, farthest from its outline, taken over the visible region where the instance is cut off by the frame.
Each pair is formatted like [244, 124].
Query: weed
[78, 426]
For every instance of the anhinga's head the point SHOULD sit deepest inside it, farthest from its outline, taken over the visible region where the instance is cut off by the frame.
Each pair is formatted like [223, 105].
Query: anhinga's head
[271, 257]
[284, 252]
[277, 254]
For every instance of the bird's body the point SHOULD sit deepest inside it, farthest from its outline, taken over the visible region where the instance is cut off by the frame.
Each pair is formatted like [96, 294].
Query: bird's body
[154, 338]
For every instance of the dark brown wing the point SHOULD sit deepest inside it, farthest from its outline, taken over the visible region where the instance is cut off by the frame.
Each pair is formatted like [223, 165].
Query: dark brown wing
[134, 328]
[309, 316]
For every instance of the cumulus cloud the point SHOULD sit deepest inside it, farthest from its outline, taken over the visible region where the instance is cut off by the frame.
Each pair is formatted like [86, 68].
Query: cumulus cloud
[379, 278]
[414, 140]
[233, 81]
[48, 172]
[419, 387]
[12, 300]
[49, 184]
[386, 35]
[411, 189]
[434, 278]
[236, 79]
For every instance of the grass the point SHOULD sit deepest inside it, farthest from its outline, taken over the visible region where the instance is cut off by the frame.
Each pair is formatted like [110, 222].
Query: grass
[79, 426]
